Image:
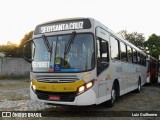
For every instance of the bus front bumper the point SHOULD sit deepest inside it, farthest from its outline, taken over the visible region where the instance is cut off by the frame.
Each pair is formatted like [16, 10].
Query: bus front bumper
[84, 99]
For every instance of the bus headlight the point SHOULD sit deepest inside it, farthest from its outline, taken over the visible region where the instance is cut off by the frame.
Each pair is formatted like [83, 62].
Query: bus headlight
[85, 87]
[81, 89]
[33, 86]
[89, 85]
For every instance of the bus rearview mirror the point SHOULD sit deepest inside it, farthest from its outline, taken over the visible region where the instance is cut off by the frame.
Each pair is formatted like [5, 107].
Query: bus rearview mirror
[28, 51]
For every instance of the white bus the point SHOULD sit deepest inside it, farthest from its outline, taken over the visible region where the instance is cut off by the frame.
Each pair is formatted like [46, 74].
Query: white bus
[81, 62]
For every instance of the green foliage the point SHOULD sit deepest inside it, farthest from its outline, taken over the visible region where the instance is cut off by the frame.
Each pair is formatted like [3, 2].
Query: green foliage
[152, 45]
[10, 50]
[135, 38]
[13, 50]
[26, 37]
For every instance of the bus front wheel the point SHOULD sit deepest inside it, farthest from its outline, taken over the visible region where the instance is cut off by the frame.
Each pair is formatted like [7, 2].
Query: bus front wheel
[111, 102]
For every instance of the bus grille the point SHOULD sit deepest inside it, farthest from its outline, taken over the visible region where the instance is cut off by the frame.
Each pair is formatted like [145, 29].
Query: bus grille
[56, 78]
[64, 97]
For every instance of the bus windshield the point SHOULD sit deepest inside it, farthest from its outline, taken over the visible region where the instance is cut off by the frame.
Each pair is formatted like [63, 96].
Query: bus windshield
[78, 58]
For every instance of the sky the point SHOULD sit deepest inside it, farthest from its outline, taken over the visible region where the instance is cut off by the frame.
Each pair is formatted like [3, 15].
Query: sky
[18, 17]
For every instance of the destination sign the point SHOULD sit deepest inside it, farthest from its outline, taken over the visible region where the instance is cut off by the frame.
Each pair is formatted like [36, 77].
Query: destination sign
[60, 27]
[63, 26]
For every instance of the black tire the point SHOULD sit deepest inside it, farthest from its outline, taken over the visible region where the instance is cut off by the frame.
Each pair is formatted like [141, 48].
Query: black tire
[114, 92]
[139, 86]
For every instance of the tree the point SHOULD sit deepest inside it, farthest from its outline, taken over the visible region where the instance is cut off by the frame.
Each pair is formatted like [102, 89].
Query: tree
[135, 38]
[10, 50]
[152, 45]
[26, 37]
[13, 50]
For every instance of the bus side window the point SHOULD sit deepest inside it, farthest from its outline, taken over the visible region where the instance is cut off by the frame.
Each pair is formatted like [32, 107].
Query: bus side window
[123, 52]
[134, 56]
[114, 48]
[104, 51]
[159, 66]
[143, 60]
[139, 58]
[102, 55]
[129, 54]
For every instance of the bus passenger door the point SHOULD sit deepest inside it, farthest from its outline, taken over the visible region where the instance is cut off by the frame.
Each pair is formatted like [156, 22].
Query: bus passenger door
[102, 51]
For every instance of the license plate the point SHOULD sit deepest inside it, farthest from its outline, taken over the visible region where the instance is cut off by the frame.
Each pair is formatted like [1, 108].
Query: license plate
[53, 97]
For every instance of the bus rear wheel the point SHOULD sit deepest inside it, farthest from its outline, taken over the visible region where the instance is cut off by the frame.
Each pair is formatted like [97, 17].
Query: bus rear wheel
[139, 86]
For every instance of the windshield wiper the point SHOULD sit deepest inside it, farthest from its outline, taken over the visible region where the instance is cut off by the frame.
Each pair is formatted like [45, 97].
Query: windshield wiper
[46, 42]
[71, 40]
[68, 46]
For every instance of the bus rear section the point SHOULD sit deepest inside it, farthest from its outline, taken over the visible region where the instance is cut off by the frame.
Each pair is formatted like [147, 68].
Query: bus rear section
[152, 69]
[159, 71]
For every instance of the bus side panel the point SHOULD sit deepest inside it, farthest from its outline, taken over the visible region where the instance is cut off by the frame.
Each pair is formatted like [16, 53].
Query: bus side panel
[143, 75]
[106, 79]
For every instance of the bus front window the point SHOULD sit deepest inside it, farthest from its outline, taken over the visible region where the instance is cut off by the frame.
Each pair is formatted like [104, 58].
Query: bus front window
[80, 55]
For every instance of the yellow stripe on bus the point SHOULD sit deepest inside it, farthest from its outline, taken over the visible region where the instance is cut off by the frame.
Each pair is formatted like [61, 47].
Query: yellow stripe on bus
[57, 87]
[87, 75]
